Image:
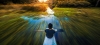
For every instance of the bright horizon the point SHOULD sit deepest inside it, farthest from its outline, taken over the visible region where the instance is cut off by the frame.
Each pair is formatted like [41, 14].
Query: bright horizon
[42, 0]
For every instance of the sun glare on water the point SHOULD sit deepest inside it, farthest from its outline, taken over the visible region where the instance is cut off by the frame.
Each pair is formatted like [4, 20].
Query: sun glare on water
[49, 11]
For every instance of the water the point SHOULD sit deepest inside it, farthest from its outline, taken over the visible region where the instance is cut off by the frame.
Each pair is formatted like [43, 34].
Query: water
[46, 19]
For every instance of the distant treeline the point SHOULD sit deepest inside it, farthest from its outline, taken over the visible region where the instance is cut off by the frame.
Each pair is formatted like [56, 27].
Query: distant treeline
[60, 2]
[93, 2]
[15, 1]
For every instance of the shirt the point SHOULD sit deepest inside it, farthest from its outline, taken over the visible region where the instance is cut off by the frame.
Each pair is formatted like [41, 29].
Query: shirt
[49, 33]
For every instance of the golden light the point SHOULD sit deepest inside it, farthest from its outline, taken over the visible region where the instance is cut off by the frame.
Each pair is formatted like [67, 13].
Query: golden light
[42, 0]
[49, 11]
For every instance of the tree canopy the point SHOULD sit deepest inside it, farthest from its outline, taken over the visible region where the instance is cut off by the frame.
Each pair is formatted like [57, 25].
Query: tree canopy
[93, 2]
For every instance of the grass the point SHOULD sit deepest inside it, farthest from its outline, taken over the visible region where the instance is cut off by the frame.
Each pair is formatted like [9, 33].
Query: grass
[81, 26]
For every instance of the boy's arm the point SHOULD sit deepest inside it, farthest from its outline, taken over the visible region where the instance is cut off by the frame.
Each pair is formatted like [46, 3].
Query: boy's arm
[59, 30]
[39, 30]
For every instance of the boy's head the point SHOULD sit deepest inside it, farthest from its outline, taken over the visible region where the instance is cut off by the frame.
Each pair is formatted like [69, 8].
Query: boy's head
[50, 26]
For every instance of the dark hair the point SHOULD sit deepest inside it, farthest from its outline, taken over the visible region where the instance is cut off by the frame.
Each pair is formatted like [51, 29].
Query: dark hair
[50, 26]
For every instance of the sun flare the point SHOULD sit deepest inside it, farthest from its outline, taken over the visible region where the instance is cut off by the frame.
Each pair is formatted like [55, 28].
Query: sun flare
[42, 0]
[49, 11]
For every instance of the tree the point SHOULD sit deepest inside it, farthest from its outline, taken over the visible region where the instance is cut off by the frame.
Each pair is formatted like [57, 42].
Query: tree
[97, 2]
[93, 2]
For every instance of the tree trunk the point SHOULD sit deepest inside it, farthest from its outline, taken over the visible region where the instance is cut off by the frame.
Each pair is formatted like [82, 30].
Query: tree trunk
[97, 2]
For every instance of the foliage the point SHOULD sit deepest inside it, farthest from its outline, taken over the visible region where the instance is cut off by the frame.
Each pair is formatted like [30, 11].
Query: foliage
[93, 2]
[82, 3]
[73, 4]
[34, 8]
[15, 1]
[60, 2]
